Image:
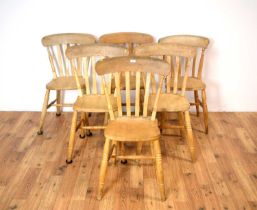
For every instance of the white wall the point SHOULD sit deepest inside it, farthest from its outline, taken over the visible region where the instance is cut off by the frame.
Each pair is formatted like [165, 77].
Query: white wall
[231, 60]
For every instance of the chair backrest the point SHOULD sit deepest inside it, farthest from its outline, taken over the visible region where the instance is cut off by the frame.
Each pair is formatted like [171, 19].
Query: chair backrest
[127, 38]
[57, 44]
[83, 59]
[195, 41]
[129, 66]
[178, 56]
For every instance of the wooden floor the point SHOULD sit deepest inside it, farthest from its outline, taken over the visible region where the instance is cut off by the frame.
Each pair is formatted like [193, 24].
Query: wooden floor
[34, 175]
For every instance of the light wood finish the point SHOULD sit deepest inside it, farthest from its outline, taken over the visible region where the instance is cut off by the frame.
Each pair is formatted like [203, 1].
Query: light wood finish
[92, 99]
[194, 82]
[124, 126]
[130, 40]
[173, 100]
[132, 64]
[34, 175]
[63, 78]
[170, 102]
[127, 38]
[135, 128]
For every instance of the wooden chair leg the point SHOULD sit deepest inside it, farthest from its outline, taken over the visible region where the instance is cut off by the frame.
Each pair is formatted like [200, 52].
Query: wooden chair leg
[58, 100]
[106, 116]
[139, 148]
[115, 151]
[103, 168]
[122, 152]
[84, 119]
[205, 111]
[190, 136]
[82, 134]
[163, 120]
[197, 102]
[43, 113]
[159, 170]
[72, 137]
[181, 123]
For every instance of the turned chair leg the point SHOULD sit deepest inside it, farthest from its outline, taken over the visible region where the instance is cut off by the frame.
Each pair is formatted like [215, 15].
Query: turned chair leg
[106, 117]
[72, 137]
[197, 102]
[139, 148]
[84, 119]
[122, 152]
[163, 120]
[159, 169]
[115, 151]
[181, 123]
[205, 111]
[43, 113]
[190, 136]
[103, 168]
[58, 101]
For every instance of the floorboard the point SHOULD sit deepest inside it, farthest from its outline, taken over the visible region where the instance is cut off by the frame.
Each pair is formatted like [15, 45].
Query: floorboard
[34, 175]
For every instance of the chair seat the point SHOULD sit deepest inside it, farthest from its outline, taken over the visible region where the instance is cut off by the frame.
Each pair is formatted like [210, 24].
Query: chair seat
[192, 83]
[170, 103]
[132, 129]
[65, 83]
[93, 103]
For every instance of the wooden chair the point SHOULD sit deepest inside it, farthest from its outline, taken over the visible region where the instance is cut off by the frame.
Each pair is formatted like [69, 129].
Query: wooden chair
[137, 127]
[194, 81]
[92, 100]
[63, 78]
[129, 40]
[179, 57]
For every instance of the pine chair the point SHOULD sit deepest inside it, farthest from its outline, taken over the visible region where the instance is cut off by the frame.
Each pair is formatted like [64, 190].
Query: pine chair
[129, 40]
[63, 78]
[137, 127]
[194, 81]
[179, 57]
[92, 100]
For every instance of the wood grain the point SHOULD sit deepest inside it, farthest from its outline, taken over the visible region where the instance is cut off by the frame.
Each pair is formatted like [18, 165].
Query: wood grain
[34, 174]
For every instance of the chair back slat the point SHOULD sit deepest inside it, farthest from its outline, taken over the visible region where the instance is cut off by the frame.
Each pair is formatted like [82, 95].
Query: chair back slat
[52, 63]
[86, 61]
[85, 57]
[60, 59]
[55, 61]
[128, 97]
[157, 95]
[153, 84]
[187, 69]
[176, 74]
[65, 61]
[94, 82]
[201, 43]
[146, 96]
[194, 66]
[79, 64]
[109, 104]
[176, 55]
[200, 69]
[110, 83]
[74, 70]
[137, 98]
[168, 59]
[118, 93]
[133, 66]
[56, 45]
